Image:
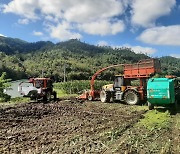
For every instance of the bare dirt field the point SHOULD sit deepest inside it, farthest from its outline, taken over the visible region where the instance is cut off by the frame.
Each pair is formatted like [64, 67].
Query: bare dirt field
[71, 126]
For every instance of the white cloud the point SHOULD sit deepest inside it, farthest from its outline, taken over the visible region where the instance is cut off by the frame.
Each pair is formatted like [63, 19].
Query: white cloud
[3, 35]
[175, 55]
[36, 33]
[23, 21]
[71, 10]
[141, 49]
[169, 35]
[145, 12]
[74, 12]
[103, 27]
[63, 31]
[102, 43]
[25, 8]
[145, 50]
[91, 10]
[136, 49]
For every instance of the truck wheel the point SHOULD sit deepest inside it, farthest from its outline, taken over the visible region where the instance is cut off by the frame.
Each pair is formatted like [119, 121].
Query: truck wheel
[150, 106]
[105, 96]
[131, 97]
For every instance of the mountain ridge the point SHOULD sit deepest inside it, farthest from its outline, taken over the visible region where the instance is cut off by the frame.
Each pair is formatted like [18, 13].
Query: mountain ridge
[21, 59]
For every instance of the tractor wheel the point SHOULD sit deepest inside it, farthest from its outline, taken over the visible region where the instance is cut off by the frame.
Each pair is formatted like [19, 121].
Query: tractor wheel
[131, 97]
[47, 97]
[150, 106]
[54, 96]
[174, 106]
[105, 96]
[90, 98]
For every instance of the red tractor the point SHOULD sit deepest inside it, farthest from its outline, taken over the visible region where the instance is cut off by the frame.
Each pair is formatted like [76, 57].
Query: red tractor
[38, 89]
[124, 88]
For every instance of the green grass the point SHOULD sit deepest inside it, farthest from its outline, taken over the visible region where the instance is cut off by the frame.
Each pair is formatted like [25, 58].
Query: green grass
[77, 86]
[16, 100]
[156, 119]
[61, 93]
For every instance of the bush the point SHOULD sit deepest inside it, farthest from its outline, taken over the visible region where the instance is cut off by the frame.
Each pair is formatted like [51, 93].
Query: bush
[73, 87]
[3, 85]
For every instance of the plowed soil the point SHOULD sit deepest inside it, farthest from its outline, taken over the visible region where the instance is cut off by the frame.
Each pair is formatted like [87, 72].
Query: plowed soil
[72, 126]
[67, 126]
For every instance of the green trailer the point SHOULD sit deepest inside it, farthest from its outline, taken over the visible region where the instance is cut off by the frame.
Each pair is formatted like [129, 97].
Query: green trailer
[162, 92]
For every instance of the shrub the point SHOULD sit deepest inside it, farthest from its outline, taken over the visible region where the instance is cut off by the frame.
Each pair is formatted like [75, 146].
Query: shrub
[3, 85]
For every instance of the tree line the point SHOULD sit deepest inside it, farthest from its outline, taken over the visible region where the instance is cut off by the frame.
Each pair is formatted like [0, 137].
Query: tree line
[73, 59]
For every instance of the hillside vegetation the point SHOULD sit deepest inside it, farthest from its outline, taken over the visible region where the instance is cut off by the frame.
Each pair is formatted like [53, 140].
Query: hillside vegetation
[21, 59]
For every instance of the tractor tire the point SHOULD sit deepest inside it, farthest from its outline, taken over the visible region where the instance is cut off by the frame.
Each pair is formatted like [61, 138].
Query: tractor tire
[47, 97]
[150, 106]
[44, 98]
[131, 97]
[54, 96]
[174, 106]
[33, 95]
[90, 98]
[105, 96]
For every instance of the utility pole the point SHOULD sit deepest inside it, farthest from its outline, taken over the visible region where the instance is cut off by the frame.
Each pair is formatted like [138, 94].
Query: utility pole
[42, 73]
[64, 72]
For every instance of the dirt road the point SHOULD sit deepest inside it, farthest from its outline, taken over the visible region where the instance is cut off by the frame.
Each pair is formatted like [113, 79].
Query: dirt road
[70, 126]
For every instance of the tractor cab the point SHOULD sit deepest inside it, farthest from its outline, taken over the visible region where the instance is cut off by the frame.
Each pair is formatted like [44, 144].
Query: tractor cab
[43, 83]
[118, 82]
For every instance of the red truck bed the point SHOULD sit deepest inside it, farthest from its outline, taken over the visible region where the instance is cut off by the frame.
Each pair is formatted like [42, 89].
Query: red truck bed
[143, 68]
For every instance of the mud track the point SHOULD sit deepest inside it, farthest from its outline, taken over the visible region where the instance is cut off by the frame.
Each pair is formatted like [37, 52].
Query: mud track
[67, 126]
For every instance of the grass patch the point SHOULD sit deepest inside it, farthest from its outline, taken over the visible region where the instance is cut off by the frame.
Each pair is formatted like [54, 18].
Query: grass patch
[113, 134]
[139, 108]
[16, 100]
[156, 120]
[19, 100]
[61, 93]
[149, 135]
[76, 86]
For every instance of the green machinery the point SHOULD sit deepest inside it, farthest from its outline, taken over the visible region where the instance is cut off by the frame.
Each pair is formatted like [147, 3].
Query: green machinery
[163, 91]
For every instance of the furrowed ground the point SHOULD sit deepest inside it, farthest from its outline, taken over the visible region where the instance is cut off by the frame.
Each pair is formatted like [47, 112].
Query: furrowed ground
[71, 126]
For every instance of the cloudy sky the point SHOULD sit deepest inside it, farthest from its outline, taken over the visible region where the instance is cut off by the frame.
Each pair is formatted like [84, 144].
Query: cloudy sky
[148, 26]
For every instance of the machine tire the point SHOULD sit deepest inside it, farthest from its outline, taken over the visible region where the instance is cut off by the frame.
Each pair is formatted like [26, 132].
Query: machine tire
[47, 97]
[90, 98]
[33, 95]
[175, 106]
[131, 97]
[105, 96]
[54, 95]
[150, 106]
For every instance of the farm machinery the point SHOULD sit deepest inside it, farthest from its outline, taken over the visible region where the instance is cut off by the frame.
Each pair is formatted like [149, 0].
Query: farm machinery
[38, 89]
[93, 94]
[163, 91]
[122, 88]
[131, 86]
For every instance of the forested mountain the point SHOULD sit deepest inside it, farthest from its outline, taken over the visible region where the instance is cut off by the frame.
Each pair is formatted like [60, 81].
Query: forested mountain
[21, 59]
[14, 45]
